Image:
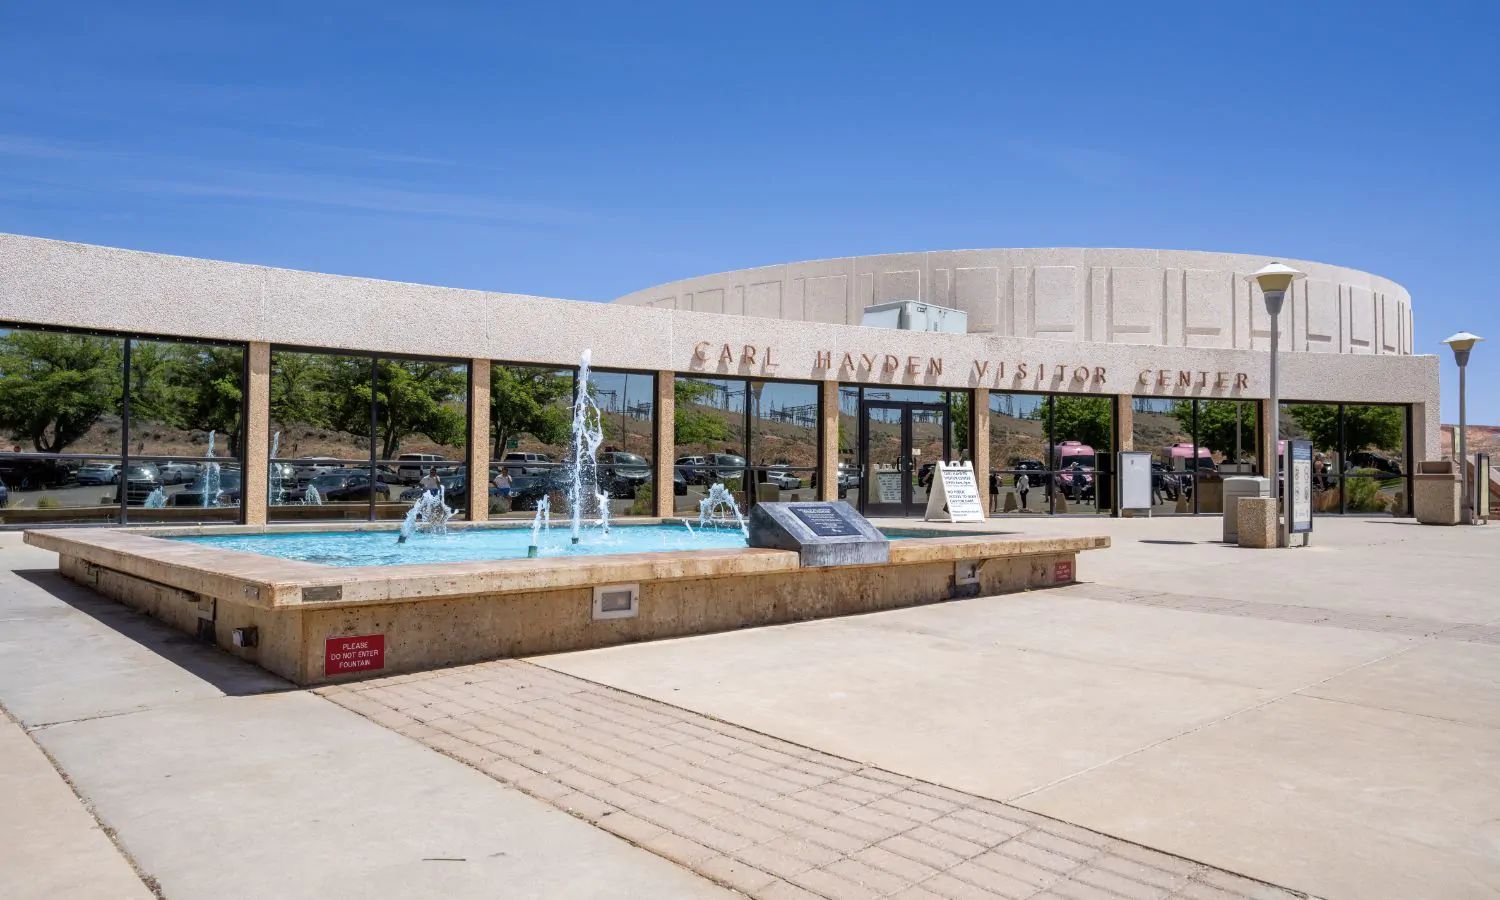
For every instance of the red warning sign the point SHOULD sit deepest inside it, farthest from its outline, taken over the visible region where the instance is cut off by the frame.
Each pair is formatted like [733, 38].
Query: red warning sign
[1062, 573]
[342, 655]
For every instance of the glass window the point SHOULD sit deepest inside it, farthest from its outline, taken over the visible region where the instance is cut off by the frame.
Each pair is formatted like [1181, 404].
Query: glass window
[1374, 460]
[1019, 477]
[784, 439]
[321, 405]
[1359, 455]
[849, 469]
[531, 414]
[60, 416]
[1081, 452]
[710, 429]
[422, 429]
[626, 403]
[186, 428]
[1319, 423]
[1164, 428]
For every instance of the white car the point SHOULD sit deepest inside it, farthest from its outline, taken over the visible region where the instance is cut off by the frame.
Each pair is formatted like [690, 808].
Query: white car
[783, 479]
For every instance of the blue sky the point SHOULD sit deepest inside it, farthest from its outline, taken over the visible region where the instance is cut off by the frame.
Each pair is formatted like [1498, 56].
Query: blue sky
[585, 151]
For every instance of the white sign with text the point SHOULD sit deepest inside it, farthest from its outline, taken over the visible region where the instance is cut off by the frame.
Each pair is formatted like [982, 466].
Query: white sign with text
[954, 495]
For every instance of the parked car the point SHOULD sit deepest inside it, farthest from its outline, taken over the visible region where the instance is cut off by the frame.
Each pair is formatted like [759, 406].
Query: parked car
[679, 482]
[783, 478]
[141, 481]
[179, 472]
[694, 469]
[4, 495]
[192, 494]
[357, 487]
[26, 474]
[99, 473]
[726, 465]
[527, 490]
[1369, 459]
[519, 463]
[621, 473]
[308, 468]
[411, 467]
[342, 485]
[1165, 481]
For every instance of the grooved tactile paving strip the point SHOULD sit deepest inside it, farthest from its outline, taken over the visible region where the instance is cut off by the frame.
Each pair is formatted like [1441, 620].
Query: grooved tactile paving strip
[771, 819]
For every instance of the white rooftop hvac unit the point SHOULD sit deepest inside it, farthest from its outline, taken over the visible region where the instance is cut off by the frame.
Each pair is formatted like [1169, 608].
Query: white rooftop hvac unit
[913, 315]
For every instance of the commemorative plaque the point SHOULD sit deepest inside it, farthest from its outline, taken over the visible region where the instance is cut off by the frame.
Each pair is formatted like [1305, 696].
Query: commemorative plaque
[823, 534]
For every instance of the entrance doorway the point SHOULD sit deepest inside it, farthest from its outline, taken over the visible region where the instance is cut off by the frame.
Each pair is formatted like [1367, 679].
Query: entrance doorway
[900, 443]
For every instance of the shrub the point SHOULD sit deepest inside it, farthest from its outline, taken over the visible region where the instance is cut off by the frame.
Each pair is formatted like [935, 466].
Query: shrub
[643, 503]
[48, 503]
[1363, 494]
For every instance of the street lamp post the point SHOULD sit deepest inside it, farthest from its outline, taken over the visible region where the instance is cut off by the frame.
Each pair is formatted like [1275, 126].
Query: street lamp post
[1462, 343]
[1274, 280]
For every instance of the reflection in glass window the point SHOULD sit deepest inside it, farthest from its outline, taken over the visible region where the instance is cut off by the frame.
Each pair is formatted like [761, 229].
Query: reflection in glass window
[627, 403]
[353, 434]
[180, 393]
[1051, 453]
[60, 394]
[1359, 455]
[784, 439]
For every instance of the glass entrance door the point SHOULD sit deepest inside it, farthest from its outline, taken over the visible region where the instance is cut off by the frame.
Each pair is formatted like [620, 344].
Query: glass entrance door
[900, 444]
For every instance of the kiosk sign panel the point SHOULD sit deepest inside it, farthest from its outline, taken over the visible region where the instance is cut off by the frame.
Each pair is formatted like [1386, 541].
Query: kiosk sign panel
[1299, 487]
[1135, 479]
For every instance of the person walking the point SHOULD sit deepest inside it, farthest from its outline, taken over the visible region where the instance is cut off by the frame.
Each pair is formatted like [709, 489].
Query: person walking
[502, 484]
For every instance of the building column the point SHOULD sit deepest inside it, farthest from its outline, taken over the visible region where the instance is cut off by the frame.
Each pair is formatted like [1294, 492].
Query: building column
[666, 442]
[979, 437]
[479, 440]
[256, 476]
[1124, 422]
[828, 447]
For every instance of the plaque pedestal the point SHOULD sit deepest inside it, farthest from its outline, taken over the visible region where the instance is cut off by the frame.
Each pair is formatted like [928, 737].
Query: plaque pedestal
[823, 534]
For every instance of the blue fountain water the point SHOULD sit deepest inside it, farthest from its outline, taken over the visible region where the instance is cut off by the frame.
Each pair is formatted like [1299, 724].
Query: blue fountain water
[378, 548]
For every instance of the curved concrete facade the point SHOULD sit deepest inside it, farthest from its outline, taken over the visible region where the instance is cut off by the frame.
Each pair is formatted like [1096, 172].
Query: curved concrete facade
[1162, 298]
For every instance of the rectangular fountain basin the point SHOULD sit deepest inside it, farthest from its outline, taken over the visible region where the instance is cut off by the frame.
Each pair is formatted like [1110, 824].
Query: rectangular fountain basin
[312, 622]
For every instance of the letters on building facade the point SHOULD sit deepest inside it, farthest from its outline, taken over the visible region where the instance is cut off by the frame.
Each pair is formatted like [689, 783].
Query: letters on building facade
[1001, 374]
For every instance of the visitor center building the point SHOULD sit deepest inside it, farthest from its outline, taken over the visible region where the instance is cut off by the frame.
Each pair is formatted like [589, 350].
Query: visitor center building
[140, 388]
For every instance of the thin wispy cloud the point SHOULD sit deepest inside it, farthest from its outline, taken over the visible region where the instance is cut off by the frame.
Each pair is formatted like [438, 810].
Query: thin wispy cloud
[353, 195]
[29, 147]
[342, 177]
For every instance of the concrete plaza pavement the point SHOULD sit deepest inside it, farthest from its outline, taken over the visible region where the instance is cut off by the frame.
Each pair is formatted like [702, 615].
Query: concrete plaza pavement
[217, 780]
[1322, 718]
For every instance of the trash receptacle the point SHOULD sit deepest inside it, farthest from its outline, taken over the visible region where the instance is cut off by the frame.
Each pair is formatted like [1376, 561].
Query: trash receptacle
[1234, 488]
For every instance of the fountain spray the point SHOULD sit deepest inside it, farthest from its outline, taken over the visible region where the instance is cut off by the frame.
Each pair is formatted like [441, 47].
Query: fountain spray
[588, 434]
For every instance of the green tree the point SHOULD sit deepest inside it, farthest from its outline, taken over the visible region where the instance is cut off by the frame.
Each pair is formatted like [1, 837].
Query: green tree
[958, 409]
[1380, 427]
[1216, 423]
[413, 397]
[424, 398]
[187, 386]
[693, 424]
[299, 389]
[524, 400]
[1085, 419]
[54, 387]
[211, 389]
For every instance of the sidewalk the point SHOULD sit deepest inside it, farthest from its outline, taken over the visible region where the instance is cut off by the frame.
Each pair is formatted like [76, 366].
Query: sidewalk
[221, 782]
